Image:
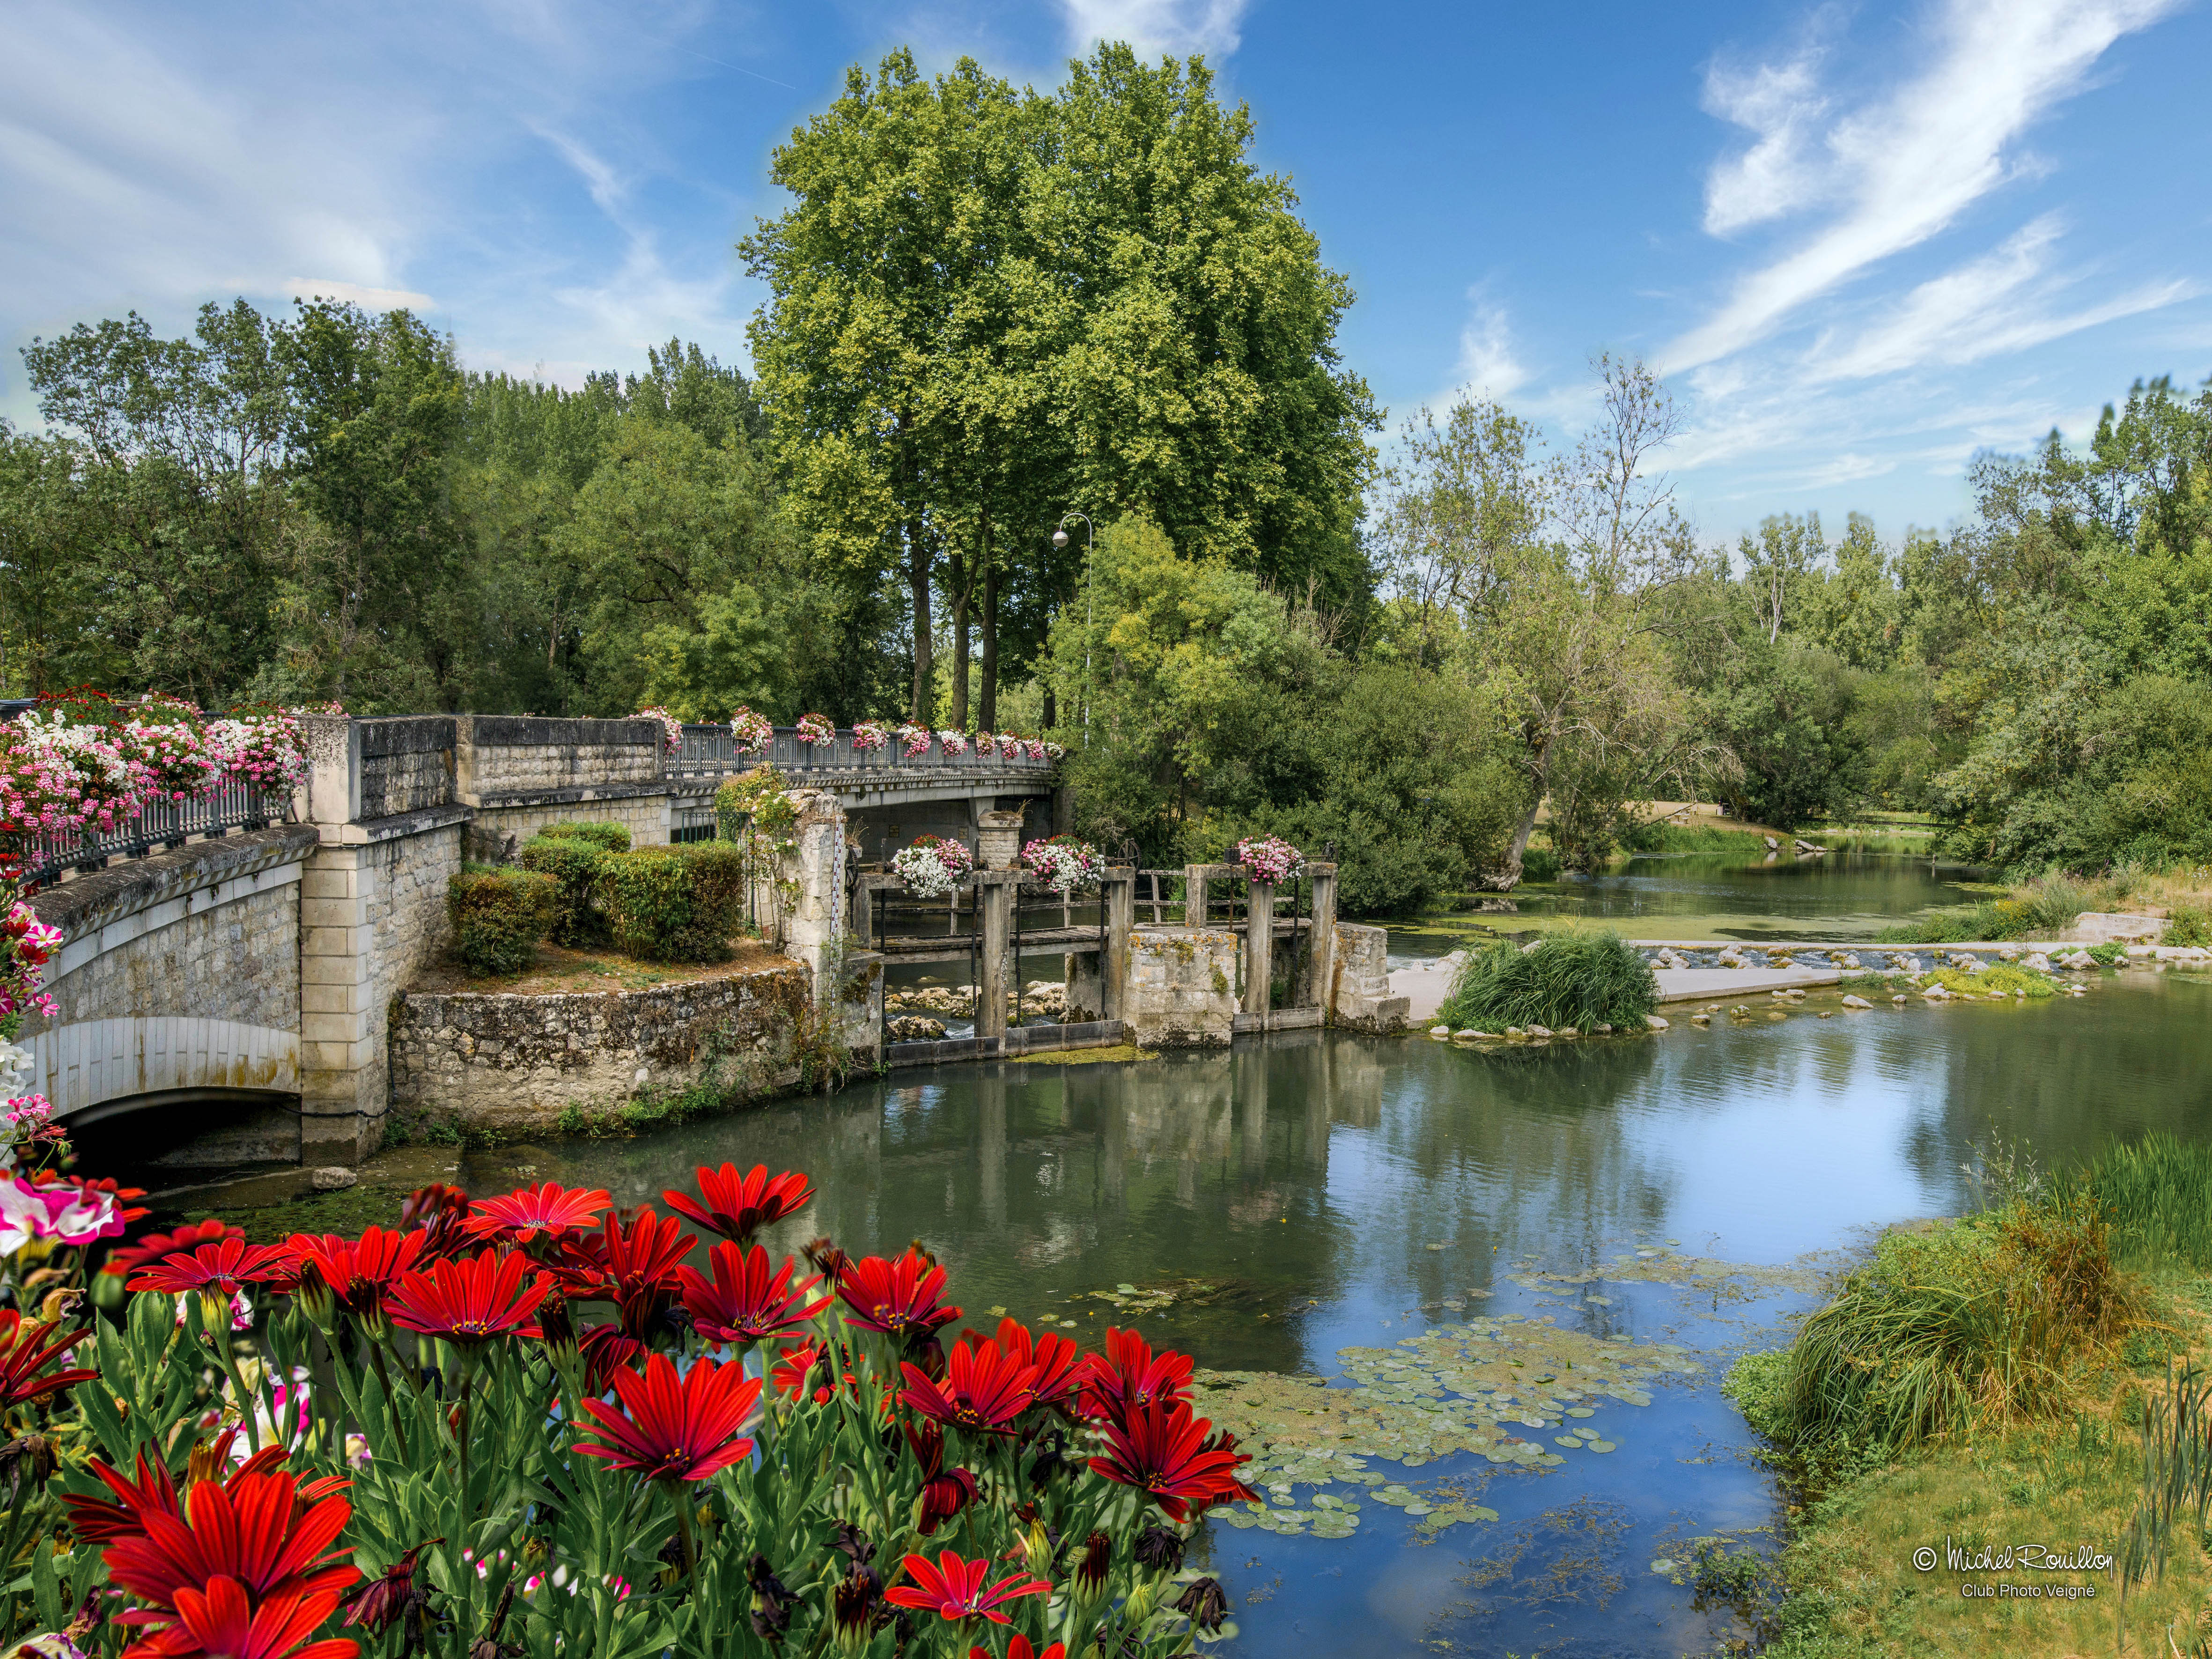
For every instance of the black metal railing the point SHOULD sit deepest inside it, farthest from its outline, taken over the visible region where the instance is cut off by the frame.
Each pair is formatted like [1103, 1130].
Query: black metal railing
[710, 752]
[157, 826]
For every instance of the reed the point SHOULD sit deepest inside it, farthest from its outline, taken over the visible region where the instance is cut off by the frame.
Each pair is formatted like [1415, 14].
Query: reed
[1578, 978]
[2157, 1195]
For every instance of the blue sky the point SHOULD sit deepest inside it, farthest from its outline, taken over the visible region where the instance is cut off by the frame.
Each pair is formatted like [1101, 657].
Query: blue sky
[1862, 242]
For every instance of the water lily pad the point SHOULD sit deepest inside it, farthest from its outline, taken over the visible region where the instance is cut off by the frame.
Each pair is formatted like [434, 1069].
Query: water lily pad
[1565, 1440]
[1580, 1411]
[1603, 1446]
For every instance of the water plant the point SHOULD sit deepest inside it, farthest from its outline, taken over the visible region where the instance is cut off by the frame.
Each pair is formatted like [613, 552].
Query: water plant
[1576, 979]
[2156, 1194]
[526, 1425]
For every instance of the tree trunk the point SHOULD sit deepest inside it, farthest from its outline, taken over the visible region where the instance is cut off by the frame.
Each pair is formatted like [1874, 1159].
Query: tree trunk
[924, 712]
[987, 695]
[960, 573]
[1051, 708]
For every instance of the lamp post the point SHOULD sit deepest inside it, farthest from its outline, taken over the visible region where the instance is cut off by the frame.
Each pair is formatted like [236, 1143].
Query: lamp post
[1089, 606]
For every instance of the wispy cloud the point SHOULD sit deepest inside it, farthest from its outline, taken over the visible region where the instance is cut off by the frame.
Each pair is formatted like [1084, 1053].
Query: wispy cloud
[1182, 27]
[1901, 167]
[1489, 365]
[359, 294]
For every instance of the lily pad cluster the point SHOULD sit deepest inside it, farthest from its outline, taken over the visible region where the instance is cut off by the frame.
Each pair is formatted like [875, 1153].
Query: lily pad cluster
[1499, 1388]
[1736, 1280]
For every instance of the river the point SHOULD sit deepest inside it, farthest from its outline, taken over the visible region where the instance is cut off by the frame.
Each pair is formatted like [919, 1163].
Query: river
[1269, 1209]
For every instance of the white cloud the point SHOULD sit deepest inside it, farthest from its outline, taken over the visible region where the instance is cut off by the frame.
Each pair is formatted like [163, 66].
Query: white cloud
[1153, 27]
[1781, 105]
[1487, 363]
[1903, 166]
[368, 299]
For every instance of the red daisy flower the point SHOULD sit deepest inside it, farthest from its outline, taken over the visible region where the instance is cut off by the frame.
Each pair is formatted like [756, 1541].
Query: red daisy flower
[152, 1247]
[1020, 1649]
[221, 1269]
[471, 1301]
[260, 1529]
[632, 1267]
[800, 1364]
[954, 1589]
[360, 1273]
[944, 1492]
[220, 1622]
[675, 1429]
[896, 1297]
[737, 1207]
[524, 1213]
[27, 1348]
[1129, 1376]
[743, 1301]
[155, 1489]
[984, 1389]
[1163, 1450]
[605, 1352]
[1055, 1355]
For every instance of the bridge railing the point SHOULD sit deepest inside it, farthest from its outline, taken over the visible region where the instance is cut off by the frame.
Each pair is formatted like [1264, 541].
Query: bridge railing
[158, 824]
[711, 752]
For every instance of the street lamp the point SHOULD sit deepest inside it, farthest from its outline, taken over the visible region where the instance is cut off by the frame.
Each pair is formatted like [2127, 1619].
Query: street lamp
[1089, 606]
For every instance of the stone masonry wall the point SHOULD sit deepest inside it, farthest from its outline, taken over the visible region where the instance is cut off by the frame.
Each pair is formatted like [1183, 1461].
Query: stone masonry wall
[1183, 987]
[1361, 1000]
[210, 929]
[497, 831]
[516, 1063]
[505, 754]
[406, 764]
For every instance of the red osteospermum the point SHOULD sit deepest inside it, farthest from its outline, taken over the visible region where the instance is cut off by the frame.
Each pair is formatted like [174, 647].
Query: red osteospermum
[745, 1301]
[154, 1246]
[675, 1429]
[27, 1348]
[360, 1273]
[220, 1622]
[1055, 1355]
[1129, 1376]
[471, 1301]
[606, 1352]
[154, 1489]
[896, 1297]
[521, 1215]
[632, 1267]
[954, 1589]
[944, 1492]
[737, 1207]
[1020, 1649]
[983, 1389]
[796, 1366]
[221, 1269]
[1163, 1450]
[260, 1530]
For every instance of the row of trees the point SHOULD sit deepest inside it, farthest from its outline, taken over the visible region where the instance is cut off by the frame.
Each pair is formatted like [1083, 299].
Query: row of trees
[988, 306]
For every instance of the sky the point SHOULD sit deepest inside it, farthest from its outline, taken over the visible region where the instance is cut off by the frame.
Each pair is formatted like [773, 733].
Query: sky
[1861, 242]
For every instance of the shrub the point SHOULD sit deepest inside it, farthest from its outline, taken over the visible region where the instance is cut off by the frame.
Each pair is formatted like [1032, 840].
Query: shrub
[1998, 979]
[573, 863]
[1540, 864]
[608, 837]
[2187, 924]
[674, 903]
[1570, 979]
[500, 916]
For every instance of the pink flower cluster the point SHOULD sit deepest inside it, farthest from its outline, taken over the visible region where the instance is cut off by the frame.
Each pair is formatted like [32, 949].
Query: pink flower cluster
[750, 732]
[815, 730]
[1266, 858]
[69, 1214]
[868, 736]
[1063, 864]
[671, 729]
[59, 776]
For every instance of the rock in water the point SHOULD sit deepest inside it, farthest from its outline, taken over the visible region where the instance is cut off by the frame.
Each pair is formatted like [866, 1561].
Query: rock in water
[1653, 1023]
[1856, 1002]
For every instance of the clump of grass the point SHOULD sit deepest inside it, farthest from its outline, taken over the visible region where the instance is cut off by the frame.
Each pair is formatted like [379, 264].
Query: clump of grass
[2188, 924]
[2157, 1195]
[1998, 979]
[1971, 1321]
[1574, 978]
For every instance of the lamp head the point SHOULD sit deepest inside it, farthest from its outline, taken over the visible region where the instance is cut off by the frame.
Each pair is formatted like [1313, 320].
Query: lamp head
[1059, 538]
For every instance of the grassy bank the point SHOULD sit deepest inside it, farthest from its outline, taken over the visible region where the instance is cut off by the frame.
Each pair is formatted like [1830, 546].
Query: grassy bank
[2046, 906]
[1998, 1380]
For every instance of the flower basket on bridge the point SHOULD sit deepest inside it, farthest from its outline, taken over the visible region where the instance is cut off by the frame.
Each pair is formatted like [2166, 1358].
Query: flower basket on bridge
[751, 734]
[868, 737]
[1063, 864]
[952, 743]
[671, 729]
[914, 740]
[1268, 858]
[932, 866]
[815, 730]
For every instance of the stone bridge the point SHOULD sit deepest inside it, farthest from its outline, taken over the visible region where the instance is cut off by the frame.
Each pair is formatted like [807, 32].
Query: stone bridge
[242, 983]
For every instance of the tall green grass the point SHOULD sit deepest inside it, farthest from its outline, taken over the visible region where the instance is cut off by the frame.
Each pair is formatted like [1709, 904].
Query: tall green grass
[1569, 979]
[2039, 909]
[2157, 1195]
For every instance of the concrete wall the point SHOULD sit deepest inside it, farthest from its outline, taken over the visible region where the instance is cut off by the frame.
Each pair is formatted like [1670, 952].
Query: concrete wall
[515, 1063]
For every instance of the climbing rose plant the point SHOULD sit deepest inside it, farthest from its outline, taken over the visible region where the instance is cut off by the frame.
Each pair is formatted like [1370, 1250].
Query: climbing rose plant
[932, 866]
[533, 1425]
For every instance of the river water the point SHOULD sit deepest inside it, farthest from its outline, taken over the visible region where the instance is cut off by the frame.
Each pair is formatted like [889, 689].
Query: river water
[1286, 1201]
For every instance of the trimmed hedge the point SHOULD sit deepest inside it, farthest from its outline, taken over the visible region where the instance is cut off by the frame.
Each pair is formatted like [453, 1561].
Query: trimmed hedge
[500, 916]
[573, 862]
[607, 837]
[674, 903]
